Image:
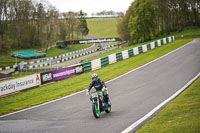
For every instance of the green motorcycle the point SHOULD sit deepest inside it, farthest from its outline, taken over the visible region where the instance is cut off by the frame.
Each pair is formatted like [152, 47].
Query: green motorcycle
[99, 103]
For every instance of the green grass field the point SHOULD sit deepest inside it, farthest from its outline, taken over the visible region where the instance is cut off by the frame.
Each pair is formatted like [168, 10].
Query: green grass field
[80, 82]
[182, 115]
[102, 27]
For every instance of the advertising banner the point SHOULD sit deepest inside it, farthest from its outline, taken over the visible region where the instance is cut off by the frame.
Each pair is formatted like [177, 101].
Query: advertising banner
[67, 72]
[19, 84]
[60, 74]
[46, 77]
[99, 40]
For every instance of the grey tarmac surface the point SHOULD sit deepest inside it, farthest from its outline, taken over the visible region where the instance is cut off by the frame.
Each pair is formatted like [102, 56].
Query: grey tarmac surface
[132, 96]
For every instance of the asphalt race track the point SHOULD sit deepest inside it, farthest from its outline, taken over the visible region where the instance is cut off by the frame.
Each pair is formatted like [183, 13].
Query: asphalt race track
[132, 96]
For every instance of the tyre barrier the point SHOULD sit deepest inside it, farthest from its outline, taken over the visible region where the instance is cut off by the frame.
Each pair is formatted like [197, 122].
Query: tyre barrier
[59, 56]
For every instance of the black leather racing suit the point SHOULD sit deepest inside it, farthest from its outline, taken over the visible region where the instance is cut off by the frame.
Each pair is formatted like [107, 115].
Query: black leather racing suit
[98, 85]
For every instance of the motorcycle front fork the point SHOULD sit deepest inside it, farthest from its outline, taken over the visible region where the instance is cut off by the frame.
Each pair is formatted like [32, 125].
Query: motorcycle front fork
[98, 103]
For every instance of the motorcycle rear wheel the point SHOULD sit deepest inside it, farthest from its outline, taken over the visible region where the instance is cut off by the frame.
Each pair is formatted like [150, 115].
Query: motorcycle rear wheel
[108, 110]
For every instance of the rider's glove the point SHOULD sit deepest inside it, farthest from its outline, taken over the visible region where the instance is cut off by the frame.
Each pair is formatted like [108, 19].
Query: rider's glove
[87, 92]
[105, 90]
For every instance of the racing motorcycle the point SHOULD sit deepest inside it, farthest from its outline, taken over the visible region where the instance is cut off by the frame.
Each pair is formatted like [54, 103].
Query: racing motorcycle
[99, 104]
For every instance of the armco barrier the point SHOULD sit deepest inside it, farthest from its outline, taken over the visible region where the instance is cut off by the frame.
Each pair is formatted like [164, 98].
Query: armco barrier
[87, 67]
[144, 48]
[159, 43]
[140, 49]
[112, 58]
[156, 44]
[170, 39]
[136, 52]
[167, 40]
[96, 64]
[125, 54]
[119, 56]
[152, 45]
[162, 42]
[148, 47]
[130, 53]
[104, 61]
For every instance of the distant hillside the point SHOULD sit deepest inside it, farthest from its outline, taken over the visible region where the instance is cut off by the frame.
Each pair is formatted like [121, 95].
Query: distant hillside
[102, 27]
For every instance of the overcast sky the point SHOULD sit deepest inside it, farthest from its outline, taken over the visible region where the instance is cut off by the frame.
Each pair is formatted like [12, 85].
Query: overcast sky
[91, 6]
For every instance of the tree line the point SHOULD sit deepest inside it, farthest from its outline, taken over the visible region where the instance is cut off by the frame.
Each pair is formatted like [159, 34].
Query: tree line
[28, 23]
[148, 19]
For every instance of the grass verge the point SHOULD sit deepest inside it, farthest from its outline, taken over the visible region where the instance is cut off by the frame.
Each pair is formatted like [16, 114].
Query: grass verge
[182, 115]
[80, 82]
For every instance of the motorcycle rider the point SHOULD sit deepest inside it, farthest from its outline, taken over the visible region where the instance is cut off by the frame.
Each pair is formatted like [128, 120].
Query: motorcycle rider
[99, 85]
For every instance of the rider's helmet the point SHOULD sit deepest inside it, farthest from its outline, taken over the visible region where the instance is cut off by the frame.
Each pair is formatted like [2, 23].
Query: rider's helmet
[94, 77]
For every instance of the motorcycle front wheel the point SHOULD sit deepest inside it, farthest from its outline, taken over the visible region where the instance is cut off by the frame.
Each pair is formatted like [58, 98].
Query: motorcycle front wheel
[95, 110]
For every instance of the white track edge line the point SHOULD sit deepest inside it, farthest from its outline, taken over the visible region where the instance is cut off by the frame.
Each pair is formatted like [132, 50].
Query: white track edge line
[41, 104]
[134, 125]
[84, 90]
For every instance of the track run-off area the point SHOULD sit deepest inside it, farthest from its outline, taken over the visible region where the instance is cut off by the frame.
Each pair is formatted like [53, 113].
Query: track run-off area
[133, 95]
